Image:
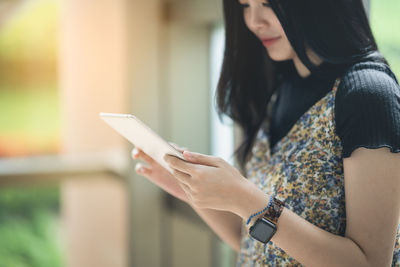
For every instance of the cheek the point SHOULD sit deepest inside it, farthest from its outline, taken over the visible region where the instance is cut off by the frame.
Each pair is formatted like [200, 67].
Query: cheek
[246, 19]
[282, 50]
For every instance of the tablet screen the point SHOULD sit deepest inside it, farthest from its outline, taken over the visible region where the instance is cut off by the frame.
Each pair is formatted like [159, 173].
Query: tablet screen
[142, 136]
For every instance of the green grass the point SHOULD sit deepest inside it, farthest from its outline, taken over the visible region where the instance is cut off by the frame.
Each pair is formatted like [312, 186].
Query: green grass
[29, 227]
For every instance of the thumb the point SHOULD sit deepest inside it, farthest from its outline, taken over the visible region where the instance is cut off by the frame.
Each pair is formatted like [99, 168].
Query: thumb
[202, 159]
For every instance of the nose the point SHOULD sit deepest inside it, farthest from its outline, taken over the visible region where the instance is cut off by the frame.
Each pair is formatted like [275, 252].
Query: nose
[257, 18]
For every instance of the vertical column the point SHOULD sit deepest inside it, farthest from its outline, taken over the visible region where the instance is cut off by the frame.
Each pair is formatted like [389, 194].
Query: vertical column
[147, 46]
[93, 78]
[188, 123]
[93, 71]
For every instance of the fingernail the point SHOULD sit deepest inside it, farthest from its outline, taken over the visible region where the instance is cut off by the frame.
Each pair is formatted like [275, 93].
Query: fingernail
[139, 168]
[135, 152]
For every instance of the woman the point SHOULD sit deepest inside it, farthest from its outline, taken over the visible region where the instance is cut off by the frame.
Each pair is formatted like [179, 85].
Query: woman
[320, 113]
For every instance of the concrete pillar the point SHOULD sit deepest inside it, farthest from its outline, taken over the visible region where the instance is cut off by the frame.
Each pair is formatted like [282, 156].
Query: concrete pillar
[93, 78]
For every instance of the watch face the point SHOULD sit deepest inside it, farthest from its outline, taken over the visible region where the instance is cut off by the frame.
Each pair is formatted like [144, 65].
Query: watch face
[263, 230]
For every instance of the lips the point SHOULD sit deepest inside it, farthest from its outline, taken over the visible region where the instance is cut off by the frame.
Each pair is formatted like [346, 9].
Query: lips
[270, 41]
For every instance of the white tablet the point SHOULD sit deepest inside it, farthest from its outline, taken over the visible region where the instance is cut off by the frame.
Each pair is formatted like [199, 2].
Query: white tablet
[141, 136]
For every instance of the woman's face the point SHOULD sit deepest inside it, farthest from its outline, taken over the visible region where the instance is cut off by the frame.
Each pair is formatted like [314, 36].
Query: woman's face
[262, 21]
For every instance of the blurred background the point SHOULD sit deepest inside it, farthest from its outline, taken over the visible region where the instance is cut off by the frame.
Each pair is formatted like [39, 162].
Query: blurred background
[69, 195]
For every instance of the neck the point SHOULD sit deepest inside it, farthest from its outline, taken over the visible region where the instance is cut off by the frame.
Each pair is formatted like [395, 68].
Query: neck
[300, 67]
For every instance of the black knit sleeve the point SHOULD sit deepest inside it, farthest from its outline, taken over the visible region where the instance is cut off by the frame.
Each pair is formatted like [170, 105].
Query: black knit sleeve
[367, 109]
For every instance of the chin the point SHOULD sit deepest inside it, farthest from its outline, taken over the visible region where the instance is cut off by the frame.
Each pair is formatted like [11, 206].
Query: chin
[279, 56]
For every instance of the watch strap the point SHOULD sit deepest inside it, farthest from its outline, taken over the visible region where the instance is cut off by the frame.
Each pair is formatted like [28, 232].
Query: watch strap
[274, 210]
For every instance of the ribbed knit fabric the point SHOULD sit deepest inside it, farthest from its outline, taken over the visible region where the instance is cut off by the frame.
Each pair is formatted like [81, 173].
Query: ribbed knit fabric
[367, 106]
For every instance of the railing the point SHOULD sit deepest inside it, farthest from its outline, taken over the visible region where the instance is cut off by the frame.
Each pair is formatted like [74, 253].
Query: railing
[58, 167]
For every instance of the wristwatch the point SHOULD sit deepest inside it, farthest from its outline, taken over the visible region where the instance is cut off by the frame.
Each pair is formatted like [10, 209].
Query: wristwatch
[265, 227]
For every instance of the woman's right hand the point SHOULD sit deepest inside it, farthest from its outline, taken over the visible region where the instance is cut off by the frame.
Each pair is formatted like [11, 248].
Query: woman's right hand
[158, 174]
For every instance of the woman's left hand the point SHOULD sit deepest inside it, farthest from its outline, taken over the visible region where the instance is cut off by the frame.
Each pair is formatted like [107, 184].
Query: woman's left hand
[209, 182]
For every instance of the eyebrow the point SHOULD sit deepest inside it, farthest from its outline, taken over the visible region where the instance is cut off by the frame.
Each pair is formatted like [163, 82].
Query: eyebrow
[245, 1]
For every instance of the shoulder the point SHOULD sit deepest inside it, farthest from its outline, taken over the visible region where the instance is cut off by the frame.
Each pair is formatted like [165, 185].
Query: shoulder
[367, 80]
[367, 86]
[367, 107]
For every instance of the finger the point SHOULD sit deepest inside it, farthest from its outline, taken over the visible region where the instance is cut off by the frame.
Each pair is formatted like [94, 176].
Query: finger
[182, 177]
[138, 153]
[142, 170]
[202, 159]
[178, 164]
[135, 153]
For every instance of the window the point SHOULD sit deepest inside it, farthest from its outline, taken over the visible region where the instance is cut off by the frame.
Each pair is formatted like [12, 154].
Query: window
[221, 133]
[222, 138]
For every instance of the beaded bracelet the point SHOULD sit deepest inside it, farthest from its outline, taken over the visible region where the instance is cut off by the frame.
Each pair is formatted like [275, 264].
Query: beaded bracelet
[258, 213]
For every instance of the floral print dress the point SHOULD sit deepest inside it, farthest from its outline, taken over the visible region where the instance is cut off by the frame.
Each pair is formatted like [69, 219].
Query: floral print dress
[305, 170]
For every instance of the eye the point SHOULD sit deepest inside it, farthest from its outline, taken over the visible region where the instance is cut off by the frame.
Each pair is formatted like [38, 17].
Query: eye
[247, 5]
[243, 5]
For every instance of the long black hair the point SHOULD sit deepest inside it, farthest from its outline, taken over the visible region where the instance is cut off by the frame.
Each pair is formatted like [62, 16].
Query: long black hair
[337, 31]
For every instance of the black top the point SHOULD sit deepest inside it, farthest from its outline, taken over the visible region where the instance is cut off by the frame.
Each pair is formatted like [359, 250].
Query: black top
[367, 106]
